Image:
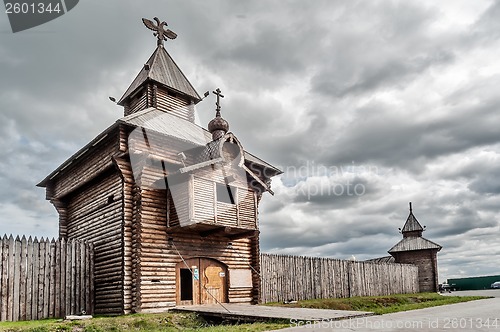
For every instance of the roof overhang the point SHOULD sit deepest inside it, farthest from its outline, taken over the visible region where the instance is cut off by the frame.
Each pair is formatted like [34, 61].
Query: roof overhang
[414, 244]
[80, 153]
[170, 126]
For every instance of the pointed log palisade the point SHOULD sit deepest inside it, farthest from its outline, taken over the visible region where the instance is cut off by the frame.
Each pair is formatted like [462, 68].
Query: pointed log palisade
[42, 278]
[170, 207]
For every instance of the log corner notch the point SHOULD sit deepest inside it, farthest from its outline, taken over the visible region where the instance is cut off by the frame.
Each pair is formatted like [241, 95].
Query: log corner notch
[61, 209]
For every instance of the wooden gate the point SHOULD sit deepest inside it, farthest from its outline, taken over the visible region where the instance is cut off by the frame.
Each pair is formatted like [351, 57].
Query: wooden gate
[202, 281]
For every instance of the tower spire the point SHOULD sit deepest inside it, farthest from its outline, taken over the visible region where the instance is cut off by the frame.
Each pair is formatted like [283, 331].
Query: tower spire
[159, 76]
[412, 227]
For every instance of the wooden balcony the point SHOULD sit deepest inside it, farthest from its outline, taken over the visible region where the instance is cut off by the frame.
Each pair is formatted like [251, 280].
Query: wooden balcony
[211, 207]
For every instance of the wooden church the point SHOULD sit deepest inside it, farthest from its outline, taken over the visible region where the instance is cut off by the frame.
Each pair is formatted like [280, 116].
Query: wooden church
[417, 250]
[172, 208]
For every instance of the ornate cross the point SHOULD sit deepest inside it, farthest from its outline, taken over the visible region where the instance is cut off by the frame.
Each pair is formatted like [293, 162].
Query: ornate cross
[159, 30]
[219, 95]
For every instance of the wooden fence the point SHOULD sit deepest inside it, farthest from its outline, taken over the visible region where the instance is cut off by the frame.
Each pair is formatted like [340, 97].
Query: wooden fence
[297, 277]
[45, 279]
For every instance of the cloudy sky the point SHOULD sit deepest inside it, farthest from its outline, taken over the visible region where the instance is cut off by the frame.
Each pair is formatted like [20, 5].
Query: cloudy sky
[366, 106]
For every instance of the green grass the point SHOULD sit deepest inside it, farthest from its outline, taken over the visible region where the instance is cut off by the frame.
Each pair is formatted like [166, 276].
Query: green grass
[164, 322]
[167, 322]
[383, 304]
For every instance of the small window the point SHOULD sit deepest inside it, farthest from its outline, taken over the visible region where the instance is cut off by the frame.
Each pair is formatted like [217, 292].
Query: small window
[226, 194]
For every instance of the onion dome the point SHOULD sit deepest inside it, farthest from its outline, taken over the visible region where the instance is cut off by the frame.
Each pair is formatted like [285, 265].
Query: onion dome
[218, 127]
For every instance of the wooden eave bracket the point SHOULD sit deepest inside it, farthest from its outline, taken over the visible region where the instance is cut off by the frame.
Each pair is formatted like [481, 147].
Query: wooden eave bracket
[246, 234]
[262, 183]
[227, 231]
[199, 165]
[219, 230]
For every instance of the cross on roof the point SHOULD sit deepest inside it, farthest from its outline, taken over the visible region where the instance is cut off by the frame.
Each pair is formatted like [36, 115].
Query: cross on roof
[219, 95]
[159, 30]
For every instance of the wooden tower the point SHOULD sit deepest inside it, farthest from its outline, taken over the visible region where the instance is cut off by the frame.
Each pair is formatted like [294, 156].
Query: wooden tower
[417, 250]
[172, 208]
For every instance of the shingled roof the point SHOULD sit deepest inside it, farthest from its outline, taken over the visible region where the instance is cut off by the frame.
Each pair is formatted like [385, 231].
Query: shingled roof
[168, 124]
[412, 237]
[385, 259]
[162, 69]
[414, 243]
[412, 224]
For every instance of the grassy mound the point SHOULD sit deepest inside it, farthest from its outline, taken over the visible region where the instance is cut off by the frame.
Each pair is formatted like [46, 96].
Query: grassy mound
[382, 304]
[164, 322]
[167, 322]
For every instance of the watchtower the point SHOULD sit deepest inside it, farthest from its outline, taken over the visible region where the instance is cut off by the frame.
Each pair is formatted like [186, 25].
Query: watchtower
[171, 207]
[417, 250]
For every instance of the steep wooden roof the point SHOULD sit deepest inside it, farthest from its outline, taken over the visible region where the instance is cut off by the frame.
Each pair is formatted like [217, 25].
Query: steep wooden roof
[161, 68]
[412, 224]
[385, 259]
[414, 243]
[88, 148]
[168, 124]
[412, 237]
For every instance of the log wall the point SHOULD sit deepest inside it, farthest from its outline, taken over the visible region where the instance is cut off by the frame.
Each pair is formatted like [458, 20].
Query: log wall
[174, 104]
[286, 277]
[45, 279]
[125, 172]
[158, 258]
[138, 102]
[95, 213]
[88, 166]
[156, 96]
[151, 146]
[426, 260]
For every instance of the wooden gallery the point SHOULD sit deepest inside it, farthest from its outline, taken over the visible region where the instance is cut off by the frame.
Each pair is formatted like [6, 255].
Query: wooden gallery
[172, 208]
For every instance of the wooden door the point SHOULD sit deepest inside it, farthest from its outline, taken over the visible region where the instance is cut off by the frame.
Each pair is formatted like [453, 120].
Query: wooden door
[187, 282]
[213, 281]
[202, 281]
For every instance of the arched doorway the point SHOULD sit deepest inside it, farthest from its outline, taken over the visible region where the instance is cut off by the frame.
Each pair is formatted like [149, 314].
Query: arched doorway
[202, 281]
